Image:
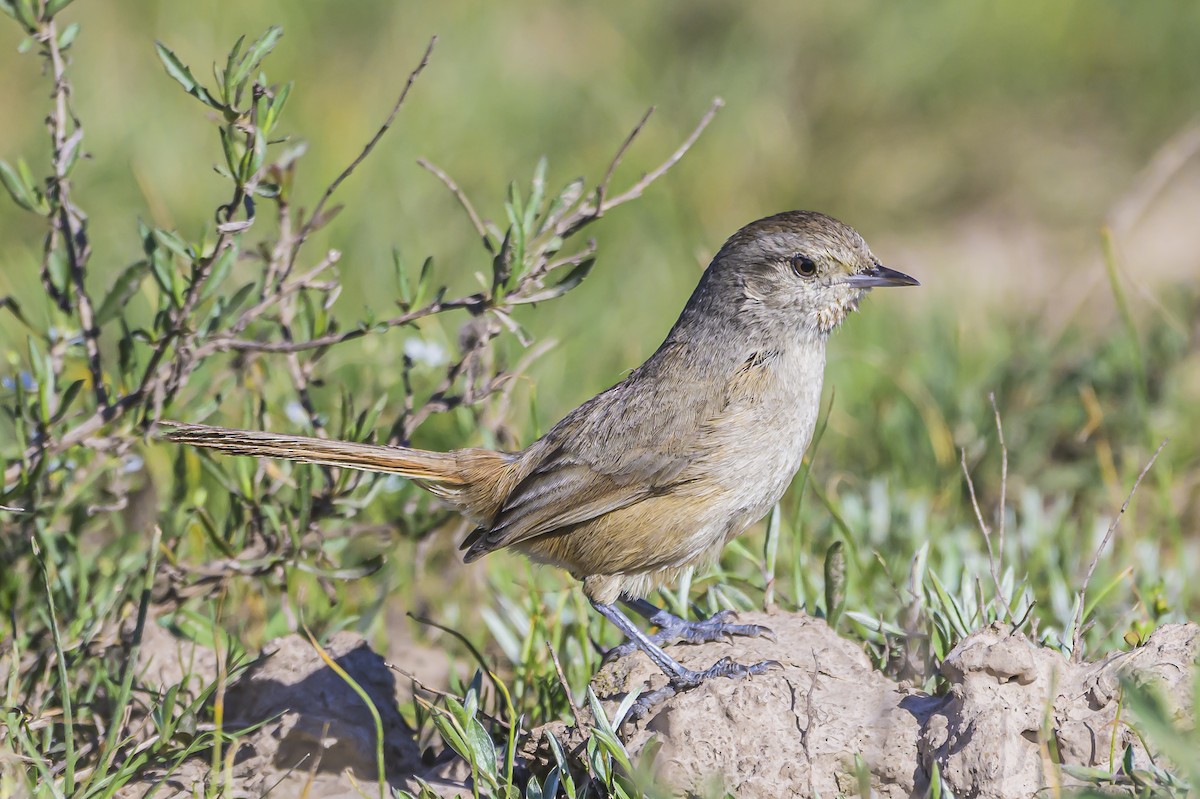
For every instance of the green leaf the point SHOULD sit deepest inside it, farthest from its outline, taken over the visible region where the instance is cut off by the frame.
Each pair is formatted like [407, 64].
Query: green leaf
[179, 71]
[483, 751]
[257, 52]
[230, 146]
[64, 404]
[276, 107]
[423, 282]
[26, 13]
[1099, 776]
[14, 308]
[68, 36]
[175, 244]
[403, 286]
[58, 269]
[123, 289]
[516, 209]
[223, 308]
[835, 583]
[23, 194]
[220, 270]
[42, 368]
[572, 279]
[537, 192]
[565, 200]
[226, 76]
[126, 357]
[254, 157]
[502, 264]
[164, 274]
[451, 733]
[55, 6]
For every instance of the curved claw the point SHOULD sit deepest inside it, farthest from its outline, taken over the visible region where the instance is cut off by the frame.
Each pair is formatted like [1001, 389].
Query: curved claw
[725, 667]
[715, 628]
[721, 616]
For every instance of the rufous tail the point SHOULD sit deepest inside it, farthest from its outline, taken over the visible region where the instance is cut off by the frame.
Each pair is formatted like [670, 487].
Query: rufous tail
[416, 464]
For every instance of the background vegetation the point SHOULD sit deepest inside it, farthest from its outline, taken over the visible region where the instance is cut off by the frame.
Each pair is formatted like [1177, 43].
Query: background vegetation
[983, 150]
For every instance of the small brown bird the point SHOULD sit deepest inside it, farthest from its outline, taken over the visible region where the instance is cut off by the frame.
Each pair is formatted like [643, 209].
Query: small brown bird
[659, 472]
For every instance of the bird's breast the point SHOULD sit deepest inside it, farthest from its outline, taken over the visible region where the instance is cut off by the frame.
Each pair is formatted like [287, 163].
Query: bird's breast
[759, 439]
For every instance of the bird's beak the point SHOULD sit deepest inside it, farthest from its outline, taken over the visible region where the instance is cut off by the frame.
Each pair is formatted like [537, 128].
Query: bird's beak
[880, 275]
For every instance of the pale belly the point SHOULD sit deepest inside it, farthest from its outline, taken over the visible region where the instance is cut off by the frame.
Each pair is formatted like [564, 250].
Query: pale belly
[758, 452]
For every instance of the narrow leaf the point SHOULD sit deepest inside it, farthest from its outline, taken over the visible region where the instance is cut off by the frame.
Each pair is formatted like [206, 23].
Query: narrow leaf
[257, 52]
[68, 36]
[572, 279]
[22, 195]
[54, 6]
[179, 71]
[123, 289]
[276, 107]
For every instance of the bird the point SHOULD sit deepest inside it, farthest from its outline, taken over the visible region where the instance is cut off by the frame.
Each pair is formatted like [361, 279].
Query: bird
[656, 474]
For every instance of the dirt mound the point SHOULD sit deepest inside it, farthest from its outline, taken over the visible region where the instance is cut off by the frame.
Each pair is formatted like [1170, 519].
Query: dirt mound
[309, 731]
[797, 730]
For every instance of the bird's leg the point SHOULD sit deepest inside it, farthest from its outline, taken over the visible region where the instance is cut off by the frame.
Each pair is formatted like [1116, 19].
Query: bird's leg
[680, 676]
[671, 628]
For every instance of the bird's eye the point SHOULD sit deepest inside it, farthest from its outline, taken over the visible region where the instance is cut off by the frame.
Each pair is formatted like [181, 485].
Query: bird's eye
[804, 266]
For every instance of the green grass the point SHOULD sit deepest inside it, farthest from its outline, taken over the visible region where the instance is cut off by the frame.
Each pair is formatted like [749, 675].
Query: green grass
[105, 536]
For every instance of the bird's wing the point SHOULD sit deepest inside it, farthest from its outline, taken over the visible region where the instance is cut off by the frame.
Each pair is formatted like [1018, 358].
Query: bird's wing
[565, 491]
[585, 467]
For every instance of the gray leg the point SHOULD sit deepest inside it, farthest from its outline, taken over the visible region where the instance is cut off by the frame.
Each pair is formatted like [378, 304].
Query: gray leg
[681, 677]
[671, 628]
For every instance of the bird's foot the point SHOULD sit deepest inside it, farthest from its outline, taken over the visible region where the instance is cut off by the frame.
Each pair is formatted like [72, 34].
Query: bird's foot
[725, 667]
[672, 629]
[686, 679]
[680, 677]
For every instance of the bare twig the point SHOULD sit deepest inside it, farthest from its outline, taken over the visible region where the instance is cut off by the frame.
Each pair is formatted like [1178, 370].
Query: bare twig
[228, 343]
[461, 196]
[602, 189]
[408, 675]
[441, 400]
[636, 189]
[313, 218]
[282, 292]
[987, 532]
[562, 680]
[1077, 637]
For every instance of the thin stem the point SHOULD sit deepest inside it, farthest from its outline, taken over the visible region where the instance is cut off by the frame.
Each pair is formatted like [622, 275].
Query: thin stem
[1003, 483]
[70, 221]
[987, 533]
[1077, 638]
[461, 196]
[602, 189]
[636, 189]
[315, 217]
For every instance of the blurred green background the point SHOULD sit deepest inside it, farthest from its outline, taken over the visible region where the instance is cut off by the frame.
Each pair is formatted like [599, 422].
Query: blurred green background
[980, 147]
[975, 145]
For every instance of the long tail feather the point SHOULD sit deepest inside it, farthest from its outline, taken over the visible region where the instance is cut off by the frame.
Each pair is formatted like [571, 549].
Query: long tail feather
[415, 464]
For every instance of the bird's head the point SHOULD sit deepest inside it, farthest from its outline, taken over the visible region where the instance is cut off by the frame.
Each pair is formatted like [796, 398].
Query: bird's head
[799, 268]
